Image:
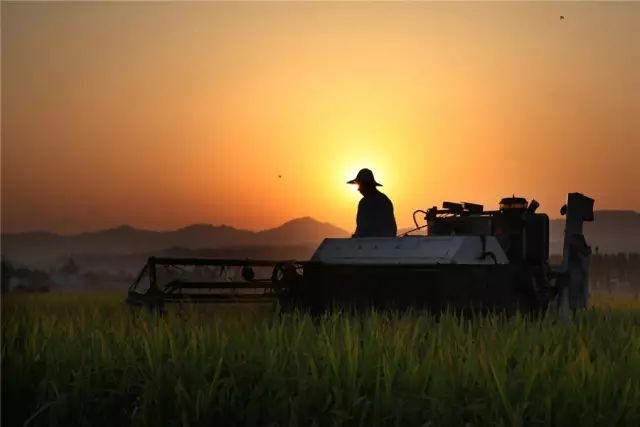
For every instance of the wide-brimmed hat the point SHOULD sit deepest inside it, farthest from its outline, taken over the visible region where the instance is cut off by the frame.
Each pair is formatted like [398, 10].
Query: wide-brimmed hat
[365, 176]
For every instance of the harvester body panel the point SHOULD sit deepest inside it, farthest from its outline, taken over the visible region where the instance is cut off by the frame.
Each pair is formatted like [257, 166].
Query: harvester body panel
[411, 250]
[436, 287]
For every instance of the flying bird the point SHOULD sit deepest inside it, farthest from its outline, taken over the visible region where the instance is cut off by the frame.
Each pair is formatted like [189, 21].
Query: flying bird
[561, 17]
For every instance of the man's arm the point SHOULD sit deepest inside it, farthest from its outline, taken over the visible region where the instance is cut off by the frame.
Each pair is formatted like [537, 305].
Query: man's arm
[360, 220]
[393, 228]
[393, 218]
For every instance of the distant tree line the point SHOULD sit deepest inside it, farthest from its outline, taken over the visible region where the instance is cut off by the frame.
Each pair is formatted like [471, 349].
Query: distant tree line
[615, 272]
[607, 273]
[66, 276]
[23, 279]
[612, 272]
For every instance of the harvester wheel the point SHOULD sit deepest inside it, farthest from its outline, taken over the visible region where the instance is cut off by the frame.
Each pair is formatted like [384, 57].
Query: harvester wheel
[533, 291]
[248, 274]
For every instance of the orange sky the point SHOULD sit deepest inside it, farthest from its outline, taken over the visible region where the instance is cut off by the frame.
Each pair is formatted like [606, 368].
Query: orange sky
[160, 115]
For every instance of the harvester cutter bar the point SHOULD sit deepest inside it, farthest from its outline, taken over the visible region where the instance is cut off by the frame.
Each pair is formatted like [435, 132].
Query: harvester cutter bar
[256, 284]
[213, 298]
[249, 290]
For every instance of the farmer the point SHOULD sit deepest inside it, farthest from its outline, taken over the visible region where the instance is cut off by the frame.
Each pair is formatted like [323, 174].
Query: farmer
[375, 210]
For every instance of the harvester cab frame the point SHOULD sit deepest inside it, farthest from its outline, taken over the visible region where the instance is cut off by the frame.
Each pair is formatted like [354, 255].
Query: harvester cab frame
[469, 259]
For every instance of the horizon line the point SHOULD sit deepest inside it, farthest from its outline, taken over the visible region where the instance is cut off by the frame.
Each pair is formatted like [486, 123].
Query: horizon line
[168, 230]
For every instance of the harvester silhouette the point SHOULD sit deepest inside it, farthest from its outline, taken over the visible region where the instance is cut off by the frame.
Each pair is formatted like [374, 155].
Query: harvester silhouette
[469, 259]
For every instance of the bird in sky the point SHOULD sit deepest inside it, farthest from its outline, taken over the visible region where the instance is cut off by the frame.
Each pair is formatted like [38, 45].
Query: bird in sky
[561, 17]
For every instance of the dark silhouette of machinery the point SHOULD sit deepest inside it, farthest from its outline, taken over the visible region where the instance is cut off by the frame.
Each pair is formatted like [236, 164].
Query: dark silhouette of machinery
[469, 259]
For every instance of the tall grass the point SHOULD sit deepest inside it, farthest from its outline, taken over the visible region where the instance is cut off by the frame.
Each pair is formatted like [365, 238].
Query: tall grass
[87, 360]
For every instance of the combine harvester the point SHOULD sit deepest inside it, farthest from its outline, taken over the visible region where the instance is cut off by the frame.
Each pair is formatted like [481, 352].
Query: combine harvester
[469, 259]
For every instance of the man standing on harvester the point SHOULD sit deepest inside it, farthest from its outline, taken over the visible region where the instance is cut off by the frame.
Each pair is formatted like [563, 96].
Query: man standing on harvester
[375, 211]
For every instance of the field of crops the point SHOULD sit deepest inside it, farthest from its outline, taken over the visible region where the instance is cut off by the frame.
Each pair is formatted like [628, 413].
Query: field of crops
[86, 360]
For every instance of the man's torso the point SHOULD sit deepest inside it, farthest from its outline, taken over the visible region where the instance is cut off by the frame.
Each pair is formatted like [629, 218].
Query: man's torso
[375, 216]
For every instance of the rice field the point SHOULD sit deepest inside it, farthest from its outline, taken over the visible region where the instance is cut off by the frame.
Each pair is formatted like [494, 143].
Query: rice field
[85, 359]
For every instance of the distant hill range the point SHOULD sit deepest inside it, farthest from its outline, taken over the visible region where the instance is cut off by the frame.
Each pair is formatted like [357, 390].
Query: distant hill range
[611, 232]
[125, 240]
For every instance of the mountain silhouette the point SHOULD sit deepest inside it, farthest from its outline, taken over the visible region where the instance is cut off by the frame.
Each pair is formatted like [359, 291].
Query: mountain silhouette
[611, 232]
[38, 246]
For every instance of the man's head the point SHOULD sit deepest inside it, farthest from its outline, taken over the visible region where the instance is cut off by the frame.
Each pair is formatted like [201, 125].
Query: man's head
[365, 180]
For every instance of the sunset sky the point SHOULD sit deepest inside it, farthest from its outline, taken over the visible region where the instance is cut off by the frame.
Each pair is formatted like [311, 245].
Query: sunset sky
[161, 115]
